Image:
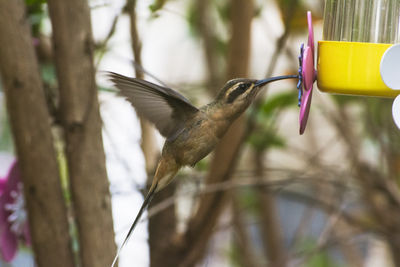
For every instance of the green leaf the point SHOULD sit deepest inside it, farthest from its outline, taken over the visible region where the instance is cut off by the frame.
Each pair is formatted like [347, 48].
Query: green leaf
[234, 255]
[279, 101]
[157, 5]
[221, 45]
[34, 2]
[49, 74]
[342, 100]
[192, 17]
[36, 14]
[203, 164]
[248, 200]
[262, 140]
[106, 89]
[223, 10]
[265, 135]
[6, 142]
[319, 258]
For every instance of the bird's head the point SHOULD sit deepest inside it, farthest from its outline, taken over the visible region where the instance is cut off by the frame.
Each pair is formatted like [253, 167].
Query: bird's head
[234, 98]
[237, 91]
[244, 90]
[237, 94]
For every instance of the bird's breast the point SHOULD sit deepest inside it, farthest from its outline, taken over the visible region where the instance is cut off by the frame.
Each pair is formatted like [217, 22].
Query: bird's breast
[195, 142]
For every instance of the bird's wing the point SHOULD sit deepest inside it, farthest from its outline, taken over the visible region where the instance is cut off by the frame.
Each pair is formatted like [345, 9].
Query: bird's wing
[164, 107]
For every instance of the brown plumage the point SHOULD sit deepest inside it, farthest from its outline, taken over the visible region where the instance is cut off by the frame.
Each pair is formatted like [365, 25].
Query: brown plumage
[191, 133]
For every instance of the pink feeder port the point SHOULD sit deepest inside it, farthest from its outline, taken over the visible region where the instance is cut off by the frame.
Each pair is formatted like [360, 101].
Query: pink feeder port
[308, 75]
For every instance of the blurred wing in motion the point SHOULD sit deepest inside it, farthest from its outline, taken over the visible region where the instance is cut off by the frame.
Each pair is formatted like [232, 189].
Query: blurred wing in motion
[164, 107]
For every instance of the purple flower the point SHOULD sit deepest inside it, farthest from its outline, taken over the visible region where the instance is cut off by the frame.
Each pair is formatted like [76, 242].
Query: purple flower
[13, 216]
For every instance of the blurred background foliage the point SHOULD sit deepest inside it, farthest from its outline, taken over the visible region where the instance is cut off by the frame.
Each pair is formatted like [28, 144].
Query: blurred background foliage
[328, 198]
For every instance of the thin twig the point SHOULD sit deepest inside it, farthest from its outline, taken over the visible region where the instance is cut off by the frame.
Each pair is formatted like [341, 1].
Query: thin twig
[102, 46]
[267, 183]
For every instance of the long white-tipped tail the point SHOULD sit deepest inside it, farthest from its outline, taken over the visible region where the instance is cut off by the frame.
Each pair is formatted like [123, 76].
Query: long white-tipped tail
[146, 202]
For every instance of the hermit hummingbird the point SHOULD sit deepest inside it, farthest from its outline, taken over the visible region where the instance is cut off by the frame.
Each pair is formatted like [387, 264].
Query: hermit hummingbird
[191, 133]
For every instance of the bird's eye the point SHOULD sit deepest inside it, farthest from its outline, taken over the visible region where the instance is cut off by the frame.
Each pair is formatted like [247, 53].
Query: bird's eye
[238, 91]
[242, 87]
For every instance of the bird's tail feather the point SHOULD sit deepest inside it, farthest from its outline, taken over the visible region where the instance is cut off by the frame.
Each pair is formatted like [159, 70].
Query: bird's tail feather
[146, 202]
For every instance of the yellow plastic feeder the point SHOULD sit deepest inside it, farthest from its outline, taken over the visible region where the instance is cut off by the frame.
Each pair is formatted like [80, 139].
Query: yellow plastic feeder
[356, 35]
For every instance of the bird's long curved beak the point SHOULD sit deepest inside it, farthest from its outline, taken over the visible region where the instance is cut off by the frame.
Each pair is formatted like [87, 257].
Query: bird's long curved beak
[260, 83]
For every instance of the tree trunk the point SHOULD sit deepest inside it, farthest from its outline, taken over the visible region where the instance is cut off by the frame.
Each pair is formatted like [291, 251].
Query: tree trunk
[162, 230]
[160, 234]
[73, 47]
[30, 123]
[149, 145]
[244, 245]
[202, 225]
[271, 231]
[205, 25]
[191, 248]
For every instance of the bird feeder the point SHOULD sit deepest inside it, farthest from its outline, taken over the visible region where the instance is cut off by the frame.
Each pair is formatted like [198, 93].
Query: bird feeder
[358, 54]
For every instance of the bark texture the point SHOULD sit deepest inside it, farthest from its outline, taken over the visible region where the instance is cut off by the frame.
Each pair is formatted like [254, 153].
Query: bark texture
[271, 231]
[73, 47]
[162, 230]
[205, 26]
[244, 246]
[149, 143]
[168, 249]
[160, 234]
[226, 154]
[30, 123]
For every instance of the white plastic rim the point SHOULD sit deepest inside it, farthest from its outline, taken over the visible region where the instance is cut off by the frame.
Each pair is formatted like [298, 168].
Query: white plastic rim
[396, 111]
[390, 67]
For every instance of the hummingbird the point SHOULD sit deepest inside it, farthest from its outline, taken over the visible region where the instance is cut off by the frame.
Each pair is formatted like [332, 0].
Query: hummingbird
[190, 133]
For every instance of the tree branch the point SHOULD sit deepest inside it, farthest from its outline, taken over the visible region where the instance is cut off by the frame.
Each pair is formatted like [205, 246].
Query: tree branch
[226, 154]
[73, 46]
[30, 123]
